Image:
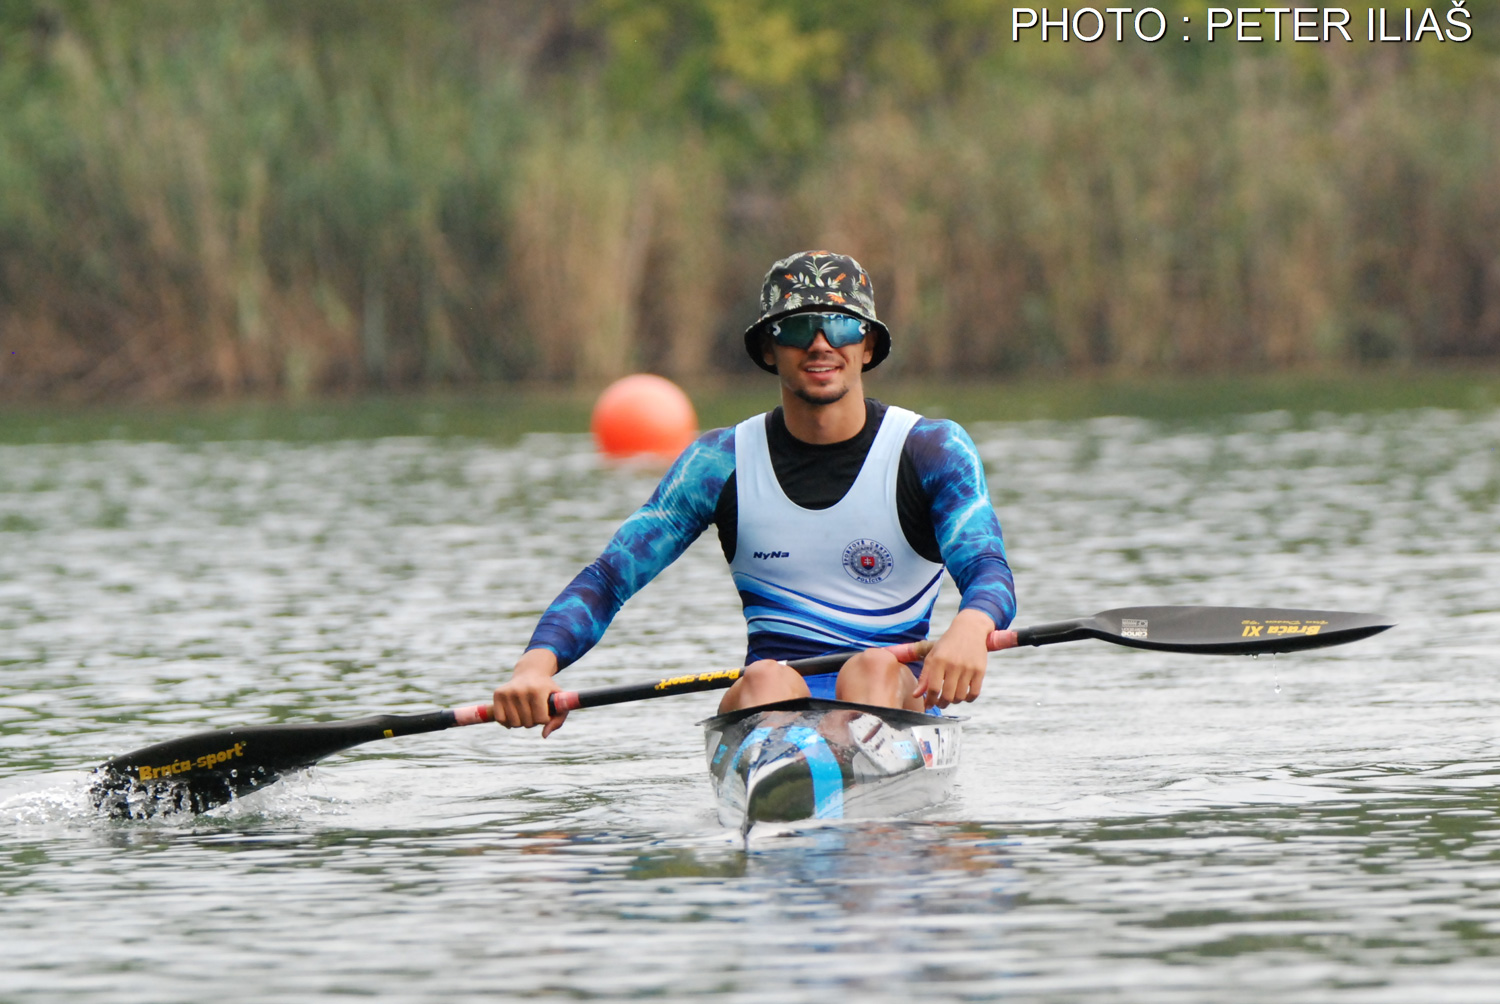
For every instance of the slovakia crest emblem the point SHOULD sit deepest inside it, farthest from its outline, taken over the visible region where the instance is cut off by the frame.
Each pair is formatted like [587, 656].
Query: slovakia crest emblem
[867, 561]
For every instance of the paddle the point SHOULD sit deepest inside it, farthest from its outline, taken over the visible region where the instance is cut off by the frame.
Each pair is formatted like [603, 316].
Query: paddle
[1200, 630]
[201, 771]
[1208, 630]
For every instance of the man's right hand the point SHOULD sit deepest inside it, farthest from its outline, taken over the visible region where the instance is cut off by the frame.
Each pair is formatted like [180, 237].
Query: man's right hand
[521, 701]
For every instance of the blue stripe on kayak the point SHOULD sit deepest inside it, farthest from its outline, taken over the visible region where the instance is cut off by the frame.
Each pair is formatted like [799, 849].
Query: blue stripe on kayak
[827, 777]
[751, 738]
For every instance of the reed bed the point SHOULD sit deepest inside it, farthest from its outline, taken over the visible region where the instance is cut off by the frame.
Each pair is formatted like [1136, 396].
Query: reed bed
[240, 201]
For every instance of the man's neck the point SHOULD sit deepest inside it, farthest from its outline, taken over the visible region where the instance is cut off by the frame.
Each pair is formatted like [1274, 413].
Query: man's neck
[824, 423]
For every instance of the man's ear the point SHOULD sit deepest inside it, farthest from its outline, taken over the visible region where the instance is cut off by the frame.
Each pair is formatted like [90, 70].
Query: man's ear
[869, 347]
[767, 352]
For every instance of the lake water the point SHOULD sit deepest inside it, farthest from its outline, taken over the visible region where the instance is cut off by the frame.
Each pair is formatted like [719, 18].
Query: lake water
[1127, 826]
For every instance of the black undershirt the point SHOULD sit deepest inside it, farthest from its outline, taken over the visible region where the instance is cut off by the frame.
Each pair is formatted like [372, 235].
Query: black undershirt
[817, 475]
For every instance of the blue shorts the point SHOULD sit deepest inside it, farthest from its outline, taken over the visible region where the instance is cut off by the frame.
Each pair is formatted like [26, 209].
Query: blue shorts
[822, 686]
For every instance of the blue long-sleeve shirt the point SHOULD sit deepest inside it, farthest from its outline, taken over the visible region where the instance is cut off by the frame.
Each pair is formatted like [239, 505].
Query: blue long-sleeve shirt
[938, 456]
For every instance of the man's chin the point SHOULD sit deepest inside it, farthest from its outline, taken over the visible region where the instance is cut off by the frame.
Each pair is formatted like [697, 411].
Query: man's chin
[827, 396]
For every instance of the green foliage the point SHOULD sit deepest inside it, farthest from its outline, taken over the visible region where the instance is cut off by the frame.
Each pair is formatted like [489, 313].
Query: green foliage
[771, 77]
[289, 197]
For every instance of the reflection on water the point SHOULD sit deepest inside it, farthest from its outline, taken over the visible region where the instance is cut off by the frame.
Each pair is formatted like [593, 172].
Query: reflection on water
[1126, 826]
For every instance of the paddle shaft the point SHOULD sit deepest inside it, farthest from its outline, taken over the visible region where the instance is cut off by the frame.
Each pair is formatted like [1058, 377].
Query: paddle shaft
[1201, 630]
[718, 679]
[1197, 630]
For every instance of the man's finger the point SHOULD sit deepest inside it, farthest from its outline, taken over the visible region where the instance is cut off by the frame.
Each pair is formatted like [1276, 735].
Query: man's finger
[537, 706]
[934, 697]
[976, 683]
[553, 724]
[953, 686]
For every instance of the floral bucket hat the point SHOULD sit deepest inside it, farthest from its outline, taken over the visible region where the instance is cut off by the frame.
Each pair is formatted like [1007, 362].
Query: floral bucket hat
[817, 282]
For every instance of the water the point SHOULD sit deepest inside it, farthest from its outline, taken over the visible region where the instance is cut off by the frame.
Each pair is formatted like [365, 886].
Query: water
[1127, 826]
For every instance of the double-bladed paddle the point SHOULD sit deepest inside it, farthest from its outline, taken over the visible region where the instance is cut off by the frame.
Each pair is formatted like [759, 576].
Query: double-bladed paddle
[201, 771]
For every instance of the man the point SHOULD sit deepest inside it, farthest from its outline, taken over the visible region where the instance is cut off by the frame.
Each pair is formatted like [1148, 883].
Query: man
[837, 516]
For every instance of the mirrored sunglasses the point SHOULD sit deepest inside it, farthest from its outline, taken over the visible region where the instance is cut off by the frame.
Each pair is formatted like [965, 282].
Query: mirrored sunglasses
[799, 330]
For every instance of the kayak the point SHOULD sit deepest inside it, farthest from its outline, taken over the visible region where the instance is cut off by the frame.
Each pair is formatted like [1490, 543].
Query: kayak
[817, 759]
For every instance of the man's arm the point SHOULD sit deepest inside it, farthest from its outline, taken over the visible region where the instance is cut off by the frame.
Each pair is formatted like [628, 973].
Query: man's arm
[969, 539]
[680, 508]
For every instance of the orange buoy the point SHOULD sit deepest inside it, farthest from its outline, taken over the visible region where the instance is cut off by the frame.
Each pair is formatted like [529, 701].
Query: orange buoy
[643, 414]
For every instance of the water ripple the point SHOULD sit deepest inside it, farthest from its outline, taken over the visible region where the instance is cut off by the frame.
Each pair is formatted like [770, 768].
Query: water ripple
[1126, 826]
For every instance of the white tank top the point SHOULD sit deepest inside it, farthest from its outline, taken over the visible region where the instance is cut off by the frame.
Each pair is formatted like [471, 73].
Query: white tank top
[822, 580]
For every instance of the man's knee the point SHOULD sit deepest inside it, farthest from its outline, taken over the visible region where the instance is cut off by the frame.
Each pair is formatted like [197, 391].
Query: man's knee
[766, 670]
[874, 664]
[872, 677]
[764, 682]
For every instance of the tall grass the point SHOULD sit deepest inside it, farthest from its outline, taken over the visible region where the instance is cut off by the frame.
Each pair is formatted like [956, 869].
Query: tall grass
[1130, 226]
[245, 205]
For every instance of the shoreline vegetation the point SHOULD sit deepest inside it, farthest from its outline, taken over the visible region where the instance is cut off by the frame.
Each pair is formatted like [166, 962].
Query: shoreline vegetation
[507, 413]
[276, 200]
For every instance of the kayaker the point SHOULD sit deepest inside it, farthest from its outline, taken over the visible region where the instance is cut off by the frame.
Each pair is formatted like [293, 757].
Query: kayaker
[837, 515]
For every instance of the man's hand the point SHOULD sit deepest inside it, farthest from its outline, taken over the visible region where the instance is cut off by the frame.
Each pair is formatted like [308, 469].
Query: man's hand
[953, 671]
[521, 701]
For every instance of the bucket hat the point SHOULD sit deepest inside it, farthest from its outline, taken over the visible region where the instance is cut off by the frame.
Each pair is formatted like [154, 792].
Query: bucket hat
[817, 282]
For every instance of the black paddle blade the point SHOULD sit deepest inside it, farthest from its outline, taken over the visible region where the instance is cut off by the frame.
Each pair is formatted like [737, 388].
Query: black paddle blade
[1213, 630]
[198, 772]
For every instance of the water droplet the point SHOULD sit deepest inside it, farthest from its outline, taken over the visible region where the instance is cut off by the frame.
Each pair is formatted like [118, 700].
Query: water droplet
[1278, 685]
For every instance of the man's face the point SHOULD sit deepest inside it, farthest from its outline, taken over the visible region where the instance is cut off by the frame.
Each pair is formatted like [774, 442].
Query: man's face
[820, 373]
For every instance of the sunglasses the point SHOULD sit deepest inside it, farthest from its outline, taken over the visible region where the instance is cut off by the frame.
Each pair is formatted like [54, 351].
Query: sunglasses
[799, 330]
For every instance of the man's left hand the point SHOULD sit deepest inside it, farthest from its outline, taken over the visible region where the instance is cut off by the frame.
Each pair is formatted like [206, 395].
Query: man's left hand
[953, 671]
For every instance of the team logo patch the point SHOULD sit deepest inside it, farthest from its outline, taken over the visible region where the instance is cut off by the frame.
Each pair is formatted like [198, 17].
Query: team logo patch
[867, 561]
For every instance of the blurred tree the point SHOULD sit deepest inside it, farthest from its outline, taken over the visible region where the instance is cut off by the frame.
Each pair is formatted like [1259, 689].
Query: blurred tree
[773, 76]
